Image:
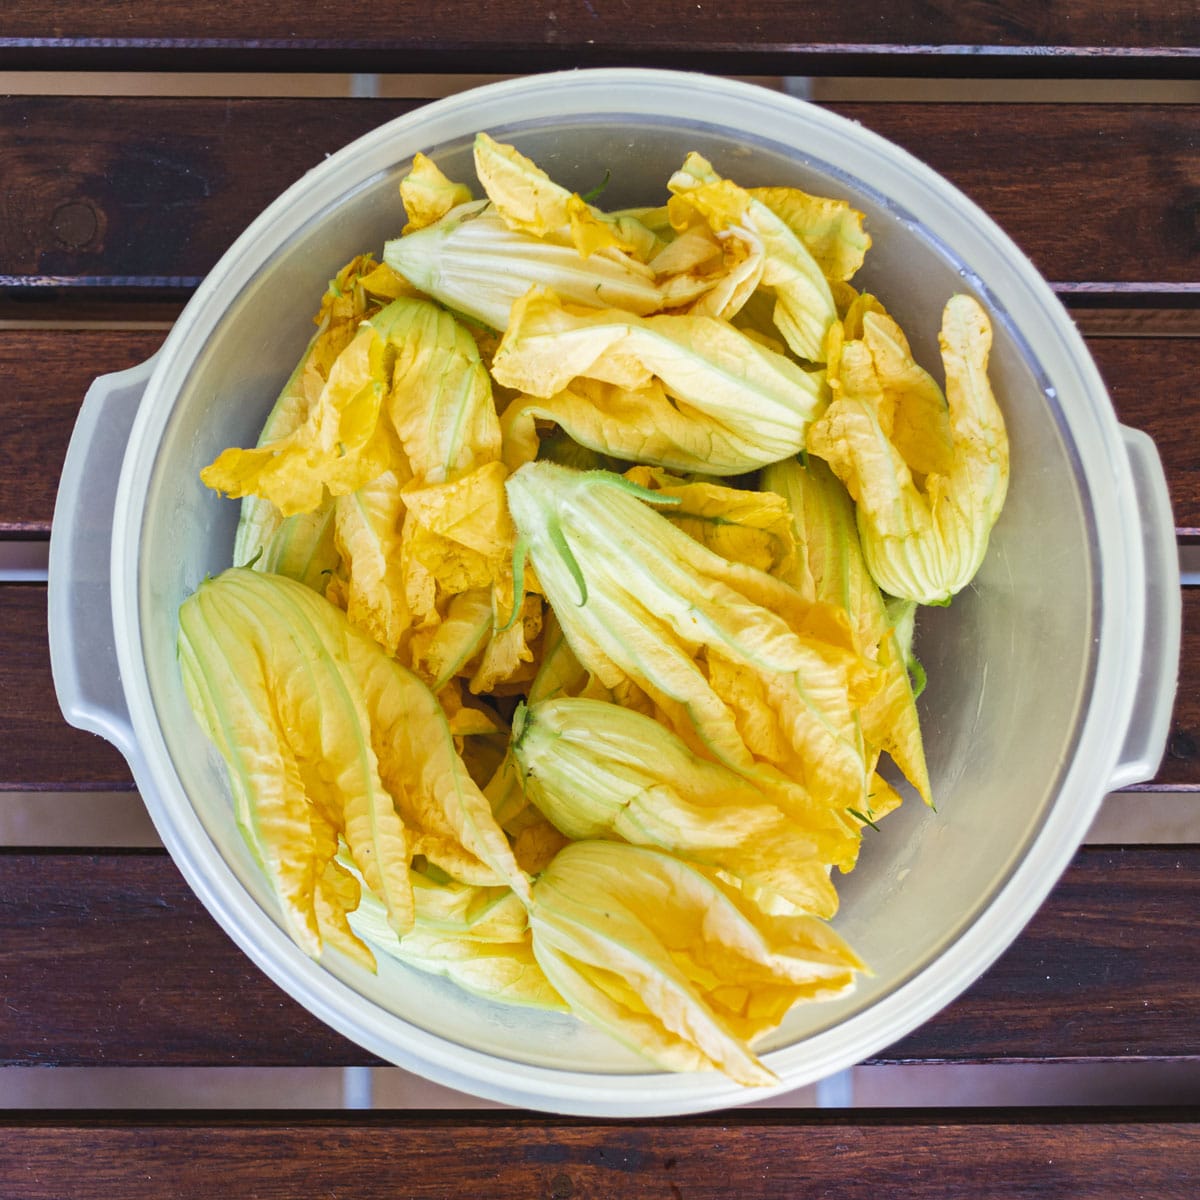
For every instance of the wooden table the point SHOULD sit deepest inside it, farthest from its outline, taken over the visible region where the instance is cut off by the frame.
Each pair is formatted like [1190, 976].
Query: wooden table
[112, 208]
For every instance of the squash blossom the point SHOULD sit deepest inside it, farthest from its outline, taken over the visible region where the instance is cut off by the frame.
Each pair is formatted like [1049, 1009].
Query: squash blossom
[596, 769]
[301, 546]
[741, 665]
[673, 962]
[831, 563]
[692, 393]
[803, 302]
[473, 262]
[929, 487]
[328, 738]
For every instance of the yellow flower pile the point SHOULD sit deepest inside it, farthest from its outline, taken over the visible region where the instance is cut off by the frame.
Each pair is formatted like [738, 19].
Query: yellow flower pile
[572, 599]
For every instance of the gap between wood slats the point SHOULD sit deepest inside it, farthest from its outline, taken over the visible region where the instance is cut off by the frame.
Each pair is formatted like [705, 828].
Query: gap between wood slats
[119, 820]
[86, 314]
[893, 1085]
[997, 91]
[553, 48]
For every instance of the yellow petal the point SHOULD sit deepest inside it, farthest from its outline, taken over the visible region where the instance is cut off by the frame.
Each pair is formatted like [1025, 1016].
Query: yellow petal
[440, 651]
[507, 651]
[368, 524]
[749, 527]
[920, 418]
[671, 961]
[470, 511]
[831, 229]
[339, 446]
[922, 543]
[452, 820]
[804, 307]
[531, 202]
[427, 195]
[745, 403]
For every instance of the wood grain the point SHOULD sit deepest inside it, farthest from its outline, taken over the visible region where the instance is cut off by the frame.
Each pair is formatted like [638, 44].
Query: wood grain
[47, 372]
[43, 753]
[110, 960]
[148, 192]
[757, 36]
[40, 750]
[1153, 385]
[930, 1155]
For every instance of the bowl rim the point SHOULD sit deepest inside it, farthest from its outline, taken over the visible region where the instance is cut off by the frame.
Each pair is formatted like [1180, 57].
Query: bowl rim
[1049, 333]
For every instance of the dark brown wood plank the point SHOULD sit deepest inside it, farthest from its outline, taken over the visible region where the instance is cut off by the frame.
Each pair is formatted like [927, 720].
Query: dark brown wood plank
[760, 36]
[147, 192]
[47, 372]
[110, 960]
[1081, 979]
[1101, 197]
[40, 750]
[1152, 382]
[43, 753]
[928, 1155]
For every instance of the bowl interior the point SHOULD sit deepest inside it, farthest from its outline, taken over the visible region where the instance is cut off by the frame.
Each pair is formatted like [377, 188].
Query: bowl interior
[1009, 662]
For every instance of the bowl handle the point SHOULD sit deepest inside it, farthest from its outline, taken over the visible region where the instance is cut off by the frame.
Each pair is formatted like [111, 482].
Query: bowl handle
[83, 656]
[1146, 737]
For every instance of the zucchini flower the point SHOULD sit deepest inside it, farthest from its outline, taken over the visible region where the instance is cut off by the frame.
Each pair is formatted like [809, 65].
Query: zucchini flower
[691, 393]
[478, 937]
[474, 263]
[281, 681]
[427, 195]
[360, 289]
[674, 963]
[529, 201]
[804, 305]
[597, 770]
[741, 665]
[834, 569]
[924, 513]
[412, 363]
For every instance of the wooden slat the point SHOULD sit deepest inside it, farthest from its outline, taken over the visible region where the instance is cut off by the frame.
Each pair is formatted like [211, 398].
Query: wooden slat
[1152, 384]
[43, 753]
[147, 192]
[47, 372]
[40, 750]
[109, 960]
[928, 1155]
[757, 36]
[1036, 170]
